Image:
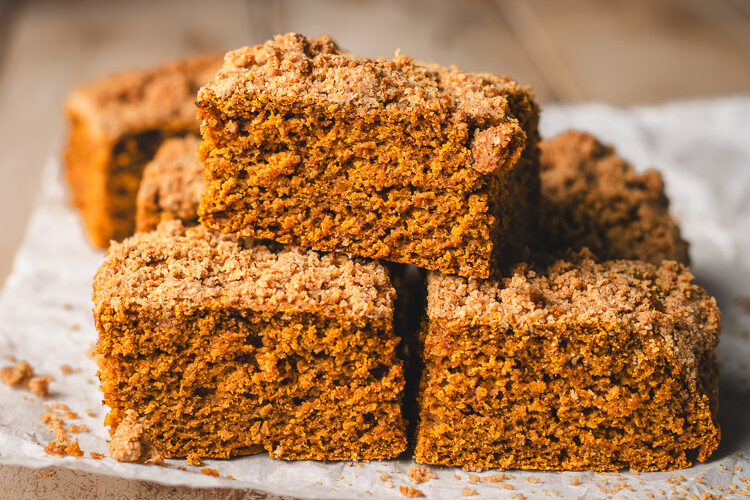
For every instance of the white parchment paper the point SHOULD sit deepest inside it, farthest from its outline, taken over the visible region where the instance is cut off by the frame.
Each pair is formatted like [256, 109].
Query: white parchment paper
[701, 147]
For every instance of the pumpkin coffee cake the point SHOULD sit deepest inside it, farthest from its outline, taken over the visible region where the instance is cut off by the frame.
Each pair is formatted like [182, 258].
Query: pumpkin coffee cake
[217, 346]
[171, 186]
[581, 365]
[391, 159]
[116, 125]
[591, 197]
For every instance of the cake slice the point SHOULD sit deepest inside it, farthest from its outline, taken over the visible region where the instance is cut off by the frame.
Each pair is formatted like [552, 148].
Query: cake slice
[390, 159]
[593, 198]
[217, 346]
[580, 365]
[171, 186]
[116, 125]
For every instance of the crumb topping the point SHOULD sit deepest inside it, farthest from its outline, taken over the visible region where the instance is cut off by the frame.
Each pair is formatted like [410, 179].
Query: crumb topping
[634, 296]
[292, 66]
[139, 100]
[186, 269]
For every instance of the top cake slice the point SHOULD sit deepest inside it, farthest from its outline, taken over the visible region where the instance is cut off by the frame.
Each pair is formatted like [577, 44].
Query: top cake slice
[391, 159]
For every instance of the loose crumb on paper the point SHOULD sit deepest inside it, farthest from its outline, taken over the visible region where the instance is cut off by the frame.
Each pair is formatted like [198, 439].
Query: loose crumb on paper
[21, 375]
[468, 492]
[419, 474]
[410, 492]
[210, 472]
[194, 459]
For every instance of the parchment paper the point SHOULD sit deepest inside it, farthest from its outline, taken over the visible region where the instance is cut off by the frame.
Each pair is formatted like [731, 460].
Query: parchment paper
[701, 147]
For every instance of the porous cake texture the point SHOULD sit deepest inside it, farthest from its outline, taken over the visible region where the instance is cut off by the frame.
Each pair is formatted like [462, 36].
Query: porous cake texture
[581, 365]
[116, 124]
[593, 198]
[390, 159]
[224, 346]
[171, 186]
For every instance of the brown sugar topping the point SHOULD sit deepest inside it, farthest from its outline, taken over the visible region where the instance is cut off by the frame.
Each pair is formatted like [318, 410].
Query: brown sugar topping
[630, 295]
[179, 269]
[292, 65]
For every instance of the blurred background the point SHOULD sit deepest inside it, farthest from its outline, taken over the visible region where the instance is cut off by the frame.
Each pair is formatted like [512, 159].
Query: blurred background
[616, 51]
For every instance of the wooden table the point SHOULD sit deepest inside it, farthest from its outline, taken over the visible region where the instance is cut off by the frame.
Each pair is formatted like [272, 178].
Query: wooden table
[621, 52]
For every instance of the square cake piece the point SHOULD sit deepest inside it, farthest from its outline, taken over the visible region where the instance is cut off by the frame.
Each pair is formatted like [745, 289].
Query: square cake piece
[171, 186]
[581, 365]
[591, 197]
[390, 159]
[116, 125]
[217, 346]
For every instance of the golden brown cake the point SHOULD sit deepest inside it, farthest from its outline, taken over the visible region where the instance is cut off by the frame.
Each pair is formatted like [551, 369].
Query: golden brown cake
[223, 346]
[581, 365]
[171, 186]
[591, 197]
[390, 159]
[116, 125]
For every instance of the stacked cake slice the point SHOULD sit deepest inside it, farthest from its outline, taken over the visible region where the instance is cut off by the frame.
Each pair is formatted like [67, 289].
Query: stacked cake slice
[534, 351]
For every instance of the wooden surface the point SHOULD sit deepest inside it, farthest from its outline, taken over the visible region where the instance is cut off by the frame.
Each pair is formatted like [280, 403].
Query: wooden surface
[622, 52]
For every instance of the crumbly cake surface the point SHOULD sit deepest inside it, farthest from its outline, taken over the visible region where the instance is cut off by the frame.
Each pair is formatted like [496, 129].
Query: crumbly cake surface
[116, 124]
[591, 197]
[581, 365]
[224, 346]
[392, 159]
[171, 186]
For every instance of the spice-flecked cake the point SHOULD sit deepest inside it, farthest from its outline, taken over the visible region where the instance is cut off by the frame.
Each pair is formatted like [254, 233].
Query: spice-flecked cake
[390, 159]
[217, 346]
[593, 198]
[116, 125]
[581, 365]
[171, 186]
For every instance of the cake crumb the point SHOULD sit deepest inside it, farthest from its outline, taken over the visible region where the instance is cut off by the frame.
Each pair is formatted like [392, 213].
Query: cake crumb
[88, 412]
[533, 480]
[507, 486]
[157, 459]
[496, 478]
[409, 491]
[575, 481]
[468, 492]
[127, 444]
[77, 429]
[194, 459]
[66, 370]
[230, 477]
[40, 386]
[210, 472]
[474, 478]
[96, 455]
[17, 375]
[419, 474]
